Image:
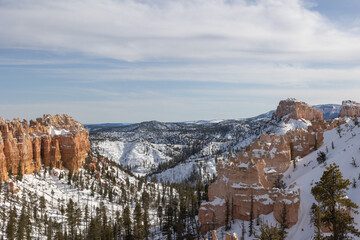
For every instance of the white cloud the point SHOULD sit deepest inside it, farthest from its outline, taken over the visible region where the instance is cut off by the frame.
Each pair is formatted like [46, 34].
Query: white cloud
[266, 30]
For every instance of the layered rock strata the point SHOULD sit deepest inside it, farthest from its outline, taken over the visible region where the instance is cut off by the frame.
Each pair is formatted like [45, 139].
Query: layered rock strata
[250, 178]
[350, 109]
[293, 109]
[55, 141]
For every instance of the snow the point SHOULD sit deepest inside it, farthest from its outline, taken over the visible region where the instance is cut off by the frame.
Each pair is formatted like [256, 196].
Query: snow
[217, 202]
[292, 125]
[350, 103]
[307, 173]
[53, 131]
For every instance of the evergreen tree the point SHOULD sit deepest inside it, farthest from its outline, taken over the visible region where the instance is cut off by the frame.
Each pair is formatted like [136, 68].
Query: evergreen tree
[86, 217]
[283, 225]
[70, 213]
[227, 216]
[269, 233]
[316, 220]
[243, 230]
[21, 224]
[19, 173]
[321, 157]
[11, 226]
[42, 205]
[127, 223]
[251, 224]
[28, 225]
[94, 230]
[329, 192]
[138, 223]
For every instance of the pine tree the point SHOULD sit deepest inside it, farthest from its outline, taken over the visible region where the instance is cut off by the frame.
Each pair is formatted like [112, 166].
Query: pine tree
[269, 233]
[28, 225]
[127, 223]
[283, 224]
[94, 230]
[251, 224]
[292, 155]
[321, 158]
[19, 173]
[11, 226]
[316, 220]
[70, 213]
[329, 192]
[243, 230]
[227, 216]
[356, 121]
[138, 223]
[21, 225]
[86, 217]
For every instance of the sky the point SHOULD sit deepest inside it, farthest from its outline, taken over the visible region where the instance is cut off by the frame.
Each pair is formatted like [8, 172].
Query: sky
[176, 60]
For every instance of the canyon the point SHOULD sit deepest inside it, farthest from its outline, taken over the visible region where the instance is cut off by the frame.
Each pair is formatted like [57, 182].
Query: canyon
[56, 141]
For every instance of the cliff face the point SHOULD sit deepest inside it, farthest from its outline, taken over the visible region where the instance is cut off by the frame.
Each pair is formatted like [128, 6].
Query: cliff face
[255, 171]
[51, 140]
[293, 109]
[350, 109]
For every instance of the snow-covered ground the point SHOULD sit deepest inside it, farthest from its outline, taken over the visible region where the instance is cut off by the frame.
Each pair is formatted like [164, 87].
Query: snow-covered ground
[57, 193]
[183, 148]
[309, 171]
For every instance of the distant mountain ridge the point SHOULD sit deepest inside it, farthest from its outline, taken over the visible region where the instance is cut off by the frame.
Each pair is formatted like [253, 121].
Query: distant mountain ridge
[167, 148]
[330, 111]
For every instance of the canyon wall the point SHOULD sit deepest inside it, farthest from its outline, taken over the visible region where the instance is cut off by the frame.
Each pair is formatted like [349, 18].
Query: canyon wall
[350, 109]
[55, 141]
[293, 109]
[251, 178]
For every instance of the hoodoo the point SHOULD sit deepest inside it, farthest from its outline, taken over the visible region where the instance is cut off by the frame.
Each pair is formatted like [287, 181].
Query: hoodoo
[51, 140]
[251, 178]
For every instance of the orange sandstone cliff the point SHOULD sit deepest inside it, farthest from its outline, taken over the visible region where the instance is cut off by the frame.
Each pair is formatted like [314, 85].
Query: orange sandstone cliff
[55, 141]
[252, 175]
[350, 109]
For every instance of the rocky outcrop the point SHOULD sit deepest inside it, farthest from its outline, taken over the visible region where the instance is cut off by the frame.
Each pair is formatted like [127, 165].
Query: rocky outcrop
[54, 141]
[252, 179]
[350, 109]
[293, 109]
[3, 167]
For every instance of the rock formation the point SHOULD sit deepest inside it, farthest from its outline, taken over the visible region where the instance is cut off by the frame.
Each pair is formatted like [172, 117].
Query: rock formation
[252, 178]
[350, 109]
[293, 109]
[51, 140]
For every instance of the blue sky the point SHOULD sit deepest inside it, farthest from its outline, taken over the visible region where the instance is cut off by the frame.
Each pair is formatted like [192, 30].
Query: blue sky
[132, 61]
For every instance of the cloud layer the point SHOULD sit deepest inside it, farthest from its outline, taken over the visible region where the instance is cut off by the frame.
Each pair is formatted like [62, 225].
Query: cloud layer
[263, 30]
[280, 48]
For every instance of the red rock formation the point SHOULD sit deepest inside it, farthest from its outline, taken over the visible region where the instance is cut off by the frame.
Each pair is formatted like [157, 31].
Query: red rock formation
[293, 109]
[3, 168]
[231, 236]
[350, 109]
[255, 170]
[51, 140]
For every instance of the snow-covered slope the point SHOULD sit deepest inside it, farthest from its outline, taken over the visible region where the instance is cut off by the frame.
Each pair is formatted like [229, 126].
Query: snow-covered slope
[176, 151]
[308, 171]
[88, 188]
